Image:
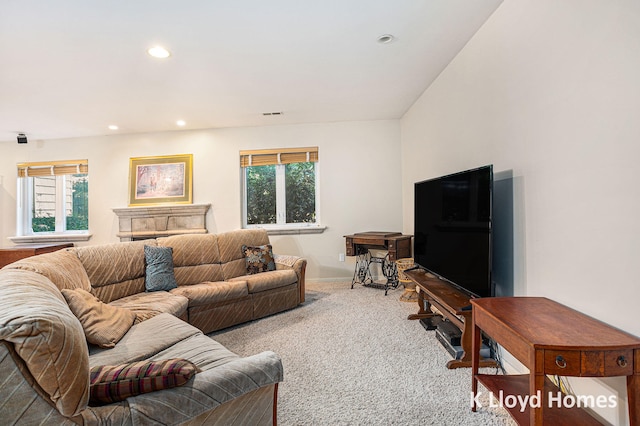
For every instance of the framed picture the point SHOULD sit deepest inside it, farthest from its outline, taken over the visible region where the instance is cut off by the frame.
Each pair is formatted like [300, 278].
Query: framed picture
[160, 180]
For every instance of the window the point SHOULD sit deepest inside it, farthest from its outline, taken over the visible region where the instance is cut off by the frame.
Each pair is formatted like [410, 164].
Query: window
[53, 200]
[280, 188]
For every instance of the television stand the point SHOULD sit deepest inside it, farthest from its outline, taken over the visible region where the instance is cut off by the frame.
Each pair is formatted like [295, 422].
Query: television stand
[453, 304]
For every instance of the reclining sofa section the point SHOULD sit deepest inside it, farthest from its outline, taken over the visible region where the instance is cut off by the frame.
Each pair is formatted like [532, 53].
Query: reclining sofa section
[45, 359]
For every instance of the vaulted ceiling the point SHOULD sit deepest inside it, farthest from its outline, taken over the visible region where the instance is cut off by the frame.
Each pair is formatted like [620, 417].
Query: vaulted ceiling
[71, 68]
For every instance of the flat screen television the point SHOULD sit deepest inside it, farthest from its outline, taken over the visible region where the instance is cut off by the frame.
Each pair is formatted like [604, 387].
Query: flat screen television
[452, 229]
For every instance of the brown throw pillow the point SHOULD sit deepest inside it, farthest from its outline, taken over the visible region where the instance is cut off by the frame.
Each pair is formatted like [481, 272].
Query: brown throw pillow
[117, 383]
[259, 259]
[103, 324]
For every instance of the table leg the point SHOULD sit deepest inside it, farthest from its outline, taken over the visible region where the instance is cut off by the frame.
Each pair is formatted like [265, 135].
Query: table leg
[424, 310]
[390, 272]
[536, 387]
[475, 363]
[465, 360]
[362, 274]
[633, 396]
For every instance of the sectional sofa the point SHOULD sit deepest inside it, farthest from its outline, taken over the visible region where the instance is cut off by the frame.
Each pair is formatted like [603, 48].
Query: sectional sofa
[84, 339]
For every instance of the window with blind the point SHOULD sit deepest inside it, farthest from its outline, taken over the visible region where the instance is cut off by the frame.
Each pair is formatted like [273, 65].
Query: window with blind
[280, 187]
[54, 198]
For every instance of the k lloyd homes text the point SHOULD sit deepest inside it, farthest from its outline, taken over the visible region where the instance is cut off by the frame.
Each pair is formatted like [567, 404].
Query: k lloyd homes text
[554, 399]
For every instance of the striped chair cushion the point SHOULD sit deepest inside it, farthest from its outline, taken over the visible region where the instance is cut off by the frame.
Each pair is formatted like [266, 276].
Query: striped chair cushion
[116, 383]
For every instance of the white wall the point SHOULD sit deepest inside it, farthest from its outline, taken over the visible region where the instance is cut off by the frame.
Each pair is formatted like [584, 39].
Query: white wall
[548, 92]
[359, 180]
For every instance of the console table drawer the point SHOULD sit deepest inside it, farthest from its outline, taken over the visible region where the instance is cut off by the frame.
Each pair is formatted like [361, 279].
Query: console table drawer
[589, 363]
[618, 363]
[562, 363]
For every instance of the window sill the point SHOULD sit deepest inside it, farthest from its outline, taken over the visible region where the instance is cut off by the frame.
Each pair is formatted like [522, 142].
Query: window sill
[50, 238]
[292, 230]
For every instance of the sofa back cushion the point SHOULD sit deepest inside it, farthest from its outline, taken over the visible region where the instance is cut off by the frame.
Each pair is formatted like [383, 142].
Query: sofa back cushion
[62, 267]
[36, 320]
[231, 254]
[196, 258]
[115, 270]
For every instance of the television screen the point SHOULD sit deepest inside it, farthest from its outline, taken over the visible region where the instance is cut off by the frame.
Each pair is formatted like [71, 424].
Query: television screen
[452, 229]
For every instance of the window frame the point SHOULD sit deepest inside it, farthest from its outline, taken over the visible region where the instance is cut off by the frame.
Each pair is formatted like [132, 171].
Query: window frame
[281, 227]
[25, 205]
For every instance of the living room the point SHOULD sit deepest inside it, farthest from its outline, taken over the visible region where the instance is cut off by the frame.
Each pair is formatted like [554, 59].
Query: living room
[546, 91]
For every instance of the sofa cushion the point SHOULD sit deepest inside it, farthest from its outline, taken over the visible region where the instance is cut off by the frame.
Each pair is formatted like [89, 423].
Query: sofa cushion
[62, 267]
[144, 340]
[119, 382]
[192, 249]
[35, 318]
[212, 292]
[103, 325]
[230, 242]
[159, 269]
[258, 259]
[147, 305]
[200, 349]
[248, 382]
[268, 280]
[196, 258]
[115, 270]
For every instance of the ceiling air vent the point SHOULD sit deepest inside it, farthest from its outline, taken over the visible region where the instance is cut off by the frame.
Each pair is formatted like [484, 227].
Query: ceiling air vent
[273, 113]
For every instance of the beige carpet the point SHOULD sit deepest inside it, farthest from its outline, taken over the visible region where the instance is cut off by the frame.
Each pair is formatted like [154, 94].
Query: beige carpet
[352, 358]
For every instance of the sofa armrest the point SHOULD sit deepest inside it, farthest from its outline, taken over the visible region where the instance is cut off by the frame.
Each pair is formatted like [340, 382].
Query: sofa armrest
[207, 390]
[22, 400]
[298, 264]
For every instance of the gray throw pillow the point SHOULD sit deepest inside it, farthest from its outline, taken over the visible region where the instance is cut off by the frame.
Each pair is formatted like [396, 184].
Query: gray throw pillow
[159, 269]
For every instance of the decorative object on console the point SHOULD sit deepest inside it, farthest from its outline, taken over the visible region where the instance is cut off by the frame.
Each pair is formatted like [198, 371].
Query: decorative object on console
[259, 259]
[161, 180]
[159, 269]
[103, 324]
[116, 383]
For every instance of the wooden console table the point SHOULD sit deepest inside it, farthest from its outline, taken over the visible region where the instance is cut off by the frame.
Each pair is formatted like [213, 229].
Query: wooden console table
[453, 304]
[396, 245]
[11, 254]
[552, 339]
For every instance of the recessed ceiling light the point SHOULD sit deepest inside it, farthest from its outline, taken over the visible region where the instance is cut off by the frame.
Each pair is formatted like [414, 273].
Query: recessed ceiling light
[159, 52]
[385, 38]
[181, 123]
[113, 127]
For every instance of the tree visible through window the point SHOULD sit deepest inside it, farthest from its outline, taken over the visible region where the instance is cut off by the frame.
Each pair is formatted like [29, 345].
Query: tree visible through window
[300, 184]
[280, 190]
[261, 194]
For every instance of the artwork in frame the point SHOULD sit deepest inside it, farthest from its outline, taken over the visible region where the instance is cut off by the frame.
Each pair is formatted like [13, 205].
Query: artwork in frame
[160, 180]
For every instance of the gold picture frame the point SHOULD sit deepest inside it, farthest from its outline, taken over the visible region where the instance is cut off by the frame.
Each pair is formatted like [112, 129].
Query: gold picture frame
[166, 179]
